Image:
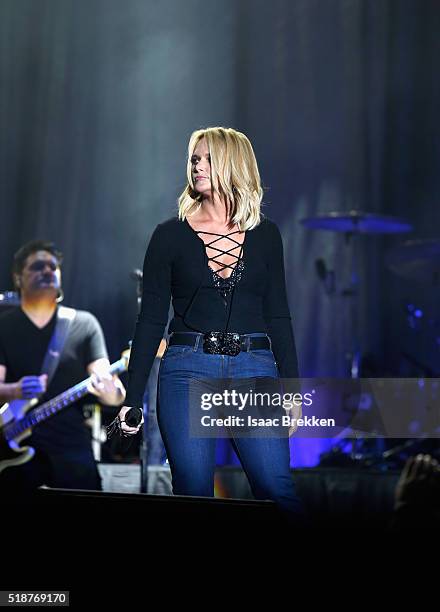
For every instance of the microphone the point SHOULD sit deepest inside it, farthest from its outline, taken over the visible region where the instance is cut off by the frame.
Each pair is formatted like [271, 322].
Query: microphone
[136, 274]
[133, 417]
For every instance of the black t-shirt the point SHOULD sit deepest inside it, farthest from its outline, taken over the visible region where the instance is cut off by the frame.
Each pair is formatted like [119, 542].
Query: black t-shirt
[176, 266]
[22, 349]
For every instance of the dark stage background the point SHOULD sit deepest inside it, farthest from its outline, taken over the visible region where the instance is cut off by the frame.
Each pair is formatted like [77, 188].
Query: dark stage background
[340, 98]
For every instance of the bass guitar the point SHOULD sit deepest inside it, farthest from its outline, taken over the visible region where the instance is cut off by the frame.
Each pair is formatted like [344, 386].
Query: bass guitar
[15, 425]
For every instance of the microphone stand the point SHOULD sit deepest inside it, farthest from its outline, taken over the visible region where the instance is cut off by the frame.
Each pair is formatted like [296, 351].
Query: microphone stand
[138, 277]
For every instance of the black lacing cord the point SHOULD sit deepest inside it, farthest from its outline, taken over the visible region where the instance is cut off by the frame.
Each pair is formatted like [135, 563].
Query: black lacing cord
[225, 265]
[203, 273]
[116, 428]
[222, 251]
[232, 297]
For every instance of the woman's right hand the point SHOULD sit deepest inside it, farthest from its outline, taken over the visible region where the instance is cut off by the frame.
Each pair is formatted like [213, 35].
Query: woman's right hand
[129, 431]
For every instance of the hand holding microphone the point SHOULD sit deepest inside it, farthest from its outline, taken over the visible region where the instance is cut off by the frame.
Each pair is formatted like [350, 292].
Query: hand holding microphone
[127, 423]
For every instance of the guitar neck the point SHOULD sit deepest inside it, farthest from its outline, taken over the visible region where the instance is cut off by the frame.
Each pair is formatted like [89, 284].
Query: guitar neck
[56, 404]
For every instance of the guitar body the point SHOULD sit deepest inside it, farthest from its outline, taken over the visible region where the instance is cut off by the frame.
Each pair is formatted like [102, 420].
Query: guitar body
[11, 453]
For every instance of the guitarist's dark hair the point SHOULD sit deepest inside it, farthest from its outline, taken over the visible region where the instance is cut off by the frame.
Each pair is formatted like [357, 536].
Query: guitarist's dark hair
[28, 249]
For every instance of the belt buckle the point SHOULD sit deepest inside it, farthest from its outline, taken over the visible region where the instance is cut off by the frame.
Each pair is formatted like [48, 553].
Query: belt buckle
[222, 343]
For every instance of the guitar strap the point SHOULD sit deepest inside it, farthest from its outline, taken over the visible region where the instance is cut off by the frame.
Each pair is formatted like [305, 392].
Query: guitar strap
[65, 318]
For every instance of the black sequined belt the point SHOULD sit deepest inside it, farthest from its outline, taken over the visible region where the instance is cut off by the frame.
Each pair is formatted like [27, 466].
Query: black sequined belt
[222, 343]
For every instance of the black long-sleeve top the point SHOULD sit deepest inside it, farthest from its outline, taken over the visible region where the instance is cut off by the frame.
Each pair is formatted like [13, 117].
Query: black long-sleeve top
[176, 266]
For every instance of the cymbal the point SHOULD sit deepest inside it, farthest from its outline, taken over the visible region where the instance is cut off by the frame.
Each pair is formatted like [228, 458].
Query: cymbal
[357, 222]
[416, 260]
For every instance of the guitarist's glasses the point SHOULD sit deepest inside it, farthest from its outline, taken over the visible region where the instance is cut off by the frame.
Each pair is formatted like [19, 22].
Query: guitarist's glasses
[37, 266]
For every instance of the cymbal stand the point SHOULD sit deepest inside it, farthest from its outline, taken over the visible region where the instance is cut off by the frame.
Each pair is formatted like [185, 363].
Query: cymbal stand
[353, 357]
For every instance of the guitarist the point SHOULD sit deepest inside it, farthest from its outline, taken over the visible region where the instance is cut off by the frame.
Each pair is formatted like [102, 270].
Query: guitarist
[63, 456]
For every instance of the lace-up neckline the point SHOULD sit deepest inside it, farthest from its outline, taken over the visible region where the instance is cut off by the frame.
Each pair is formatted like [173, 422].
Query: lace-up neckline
[223, 284]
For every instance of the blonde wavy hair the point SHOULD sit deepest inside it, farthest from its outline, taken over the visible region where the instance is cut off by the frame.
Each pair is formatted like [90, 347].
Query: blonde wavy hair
[234, 177]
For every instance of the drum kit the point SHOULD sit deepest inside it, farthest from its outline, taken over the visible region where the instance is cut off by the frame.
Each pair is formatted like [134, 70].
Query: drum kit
[413, 260]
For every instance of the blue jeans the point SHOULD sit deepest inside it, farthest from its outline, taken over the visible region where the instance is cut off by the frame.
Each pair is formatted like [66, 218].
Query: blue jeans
[266, 461]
